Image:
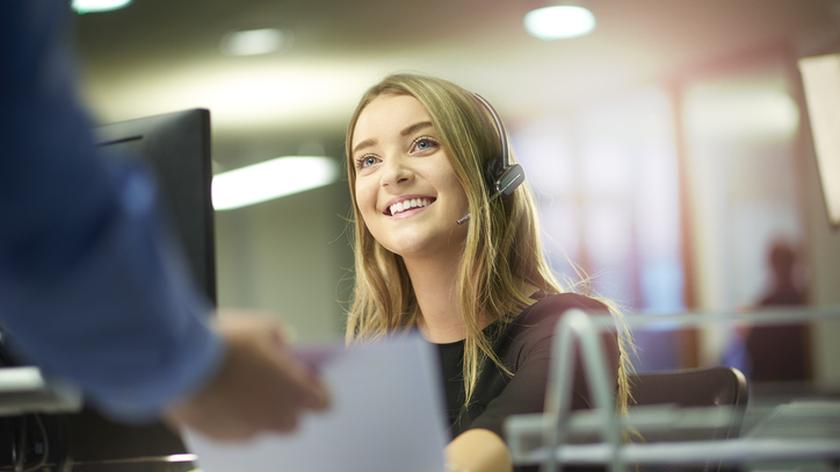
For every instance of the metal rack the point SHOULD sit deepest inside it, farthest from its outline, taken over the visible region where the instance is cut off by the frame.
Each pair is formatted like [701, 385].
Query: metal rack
[544, 438]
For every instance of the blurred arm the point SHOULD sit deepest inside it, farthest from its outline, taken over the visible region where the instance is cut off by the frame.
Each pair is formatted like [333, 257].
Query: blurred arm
[91, 289]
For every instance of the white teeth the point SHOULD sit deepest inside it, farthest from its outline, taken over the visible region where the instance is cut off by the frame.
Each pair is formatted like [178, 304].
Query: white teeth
[404, 205]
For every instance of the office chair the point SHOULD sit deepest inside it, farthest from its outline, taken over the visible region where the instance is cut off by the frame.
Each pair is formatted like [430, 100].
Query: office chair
[706, 387]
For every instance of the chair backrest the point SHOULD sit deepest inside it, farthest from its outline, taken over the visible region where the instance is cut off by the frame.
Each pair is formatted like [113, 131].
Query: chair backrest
[707, 387]
[715, 386]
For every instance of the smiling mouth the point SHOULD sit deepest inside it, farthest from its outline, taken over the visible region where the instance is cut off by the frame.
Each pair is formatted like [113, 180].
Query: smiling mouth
[408, 205]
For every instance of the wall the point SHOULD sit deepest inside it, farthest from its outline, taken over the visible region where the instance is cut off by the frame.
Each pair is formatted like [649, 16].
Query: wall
[287, 256]
[824, 263]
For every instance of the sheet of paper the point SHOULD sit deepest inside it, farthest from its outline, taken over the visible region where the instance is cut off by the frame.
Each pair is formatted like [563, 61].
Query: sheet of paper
[386, 415]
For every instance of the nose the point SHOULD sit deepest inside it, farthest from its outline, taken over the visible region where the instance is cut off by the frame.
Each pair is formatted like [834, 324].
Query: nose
[396, 172]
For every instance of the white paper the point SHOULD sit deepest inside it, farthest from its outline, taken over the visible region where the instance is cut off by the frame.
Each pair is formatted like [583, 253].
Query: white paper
[386, 414]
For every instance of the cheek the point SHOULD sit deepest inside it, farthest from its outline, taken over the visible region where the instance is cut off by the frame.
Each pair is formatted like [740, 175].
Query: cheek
[365, 198]
[447, 180]
[455, 190]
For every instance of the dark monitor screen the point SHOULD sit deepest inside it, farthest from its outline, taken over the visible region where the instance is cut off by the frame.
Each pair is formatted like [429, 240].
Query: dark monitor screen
[176, 148]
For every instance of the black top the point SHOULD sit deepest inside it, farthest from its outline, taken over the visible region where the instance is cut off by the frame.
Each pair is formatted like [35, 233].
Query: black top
[525, 349]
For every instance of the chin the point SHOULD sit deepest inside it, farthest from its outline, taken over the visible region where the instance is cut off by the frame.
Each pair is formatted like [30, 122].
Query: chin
[418, 246]
[411, 248]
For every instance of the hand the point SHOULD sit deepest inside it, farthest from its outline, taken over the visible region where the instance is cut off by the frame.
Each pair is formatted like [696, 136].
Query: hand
[260, 386]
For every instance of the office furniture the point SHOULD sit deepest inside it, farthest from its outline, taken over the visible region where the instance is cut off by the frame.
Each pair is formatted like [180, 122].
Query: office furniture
[814, 435]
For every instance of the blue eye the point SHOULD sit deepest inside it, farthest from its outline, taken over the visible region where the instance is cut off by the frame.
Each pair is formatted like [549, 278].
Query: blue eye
[424, 144]
[366, 161]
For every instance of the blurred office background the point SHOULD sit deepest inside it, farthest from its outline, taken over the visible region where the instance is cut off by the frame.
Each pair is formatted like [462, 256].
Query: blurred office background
[669, 149]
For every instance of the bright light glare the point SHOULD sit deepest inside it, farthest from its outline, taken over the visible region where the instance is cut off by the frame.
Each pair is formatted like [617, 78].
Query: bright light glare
[821, 77]
[181, 458]
[271, 179]
[558, 22]
[95, 6]
[253, 42]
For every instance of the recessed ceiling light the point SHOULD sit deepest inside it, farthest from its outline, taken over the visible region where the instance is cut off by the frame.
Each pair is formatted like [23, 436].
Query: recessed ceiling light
[271, 179]
[96, 6]
[559, 22]
[254, 42]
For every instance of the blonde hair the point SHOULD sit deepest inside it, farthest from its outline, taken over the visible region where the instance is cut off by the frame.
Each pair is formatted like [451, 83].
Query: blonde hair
[502, 248]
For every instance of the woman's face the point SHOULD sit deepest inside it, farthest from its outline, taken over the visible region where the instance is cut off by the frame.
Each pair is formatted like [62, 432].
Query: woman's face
[406, 190]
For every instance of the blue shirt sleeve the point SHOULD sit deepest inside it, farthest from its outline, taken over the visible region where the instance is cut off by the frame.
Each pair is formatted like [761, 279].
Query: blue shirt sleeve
[92, 288]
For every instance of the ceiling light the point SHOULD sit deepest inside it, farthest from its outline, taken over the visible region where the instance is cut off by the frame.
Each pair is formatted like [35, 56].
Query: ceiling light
[559, 21]
[271, 179]
[254, 42]
[96, 6]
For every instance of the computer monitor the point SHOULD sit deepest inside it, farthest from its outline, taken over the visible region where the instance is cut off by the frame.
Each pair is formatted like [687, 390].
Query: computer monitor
[176, 149]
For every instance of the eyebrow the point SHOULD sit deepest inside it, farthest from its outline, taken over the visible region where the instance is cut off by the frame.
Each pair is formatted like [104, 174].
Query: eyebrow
[407, 131]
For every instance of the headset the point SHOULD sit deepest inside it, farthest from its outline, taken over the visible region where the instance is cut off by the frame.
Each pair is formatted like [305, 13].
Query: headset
[501, 176]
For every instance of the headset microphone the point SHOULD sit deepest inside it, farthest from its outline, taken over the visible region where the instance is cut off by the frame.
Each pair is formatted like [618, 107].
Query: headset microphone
[511, 178]
[502, 177]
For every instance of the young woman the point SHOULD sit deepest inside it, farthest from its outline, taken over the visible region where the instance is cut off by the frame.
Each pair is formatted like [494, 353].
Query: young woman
[438, 249]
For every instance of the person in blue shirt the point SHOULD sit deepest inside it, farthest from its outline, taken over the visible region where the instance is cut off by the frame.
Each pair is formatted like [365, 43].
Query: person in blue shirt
[91, 288]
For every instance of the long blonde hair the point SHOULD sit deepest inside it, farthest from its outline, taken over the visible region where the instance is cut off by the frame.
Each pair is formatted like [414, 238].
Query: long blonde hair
[502, 248]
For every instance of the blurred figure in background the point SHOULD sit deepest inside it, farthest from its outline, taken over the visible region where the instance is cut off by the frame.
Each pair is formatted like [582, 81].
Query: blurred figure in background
[780, 353]
[785, 289]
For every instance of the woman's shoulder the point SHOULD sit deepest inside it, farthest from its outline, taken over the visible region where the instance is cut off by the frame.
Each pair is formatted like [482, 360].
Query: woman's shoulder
[534, 327]
[548, 308]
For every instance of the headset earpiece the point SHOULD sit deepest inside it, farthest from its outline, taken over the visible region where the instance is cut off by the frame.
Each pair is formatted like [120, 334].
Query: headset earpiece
[510, 178]
[502, 178]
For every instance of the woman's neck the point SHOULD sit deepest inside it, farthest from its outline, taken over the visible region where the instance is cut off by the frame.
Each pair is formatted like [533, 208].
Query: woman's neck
[435, 282]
